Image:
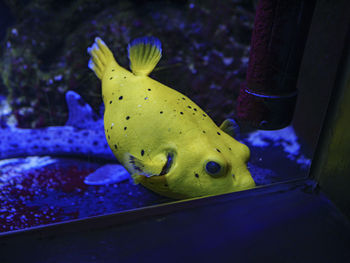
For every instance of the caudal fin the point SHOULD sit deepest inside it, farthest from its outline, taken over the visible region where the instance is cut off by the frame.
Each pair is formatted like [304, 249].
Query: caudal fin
[101, 56]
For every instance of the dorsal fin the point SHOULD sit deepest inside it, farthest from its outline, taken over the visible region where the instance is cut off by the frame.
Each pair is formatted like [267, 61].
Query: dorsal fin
[80, 114]
[144, 54]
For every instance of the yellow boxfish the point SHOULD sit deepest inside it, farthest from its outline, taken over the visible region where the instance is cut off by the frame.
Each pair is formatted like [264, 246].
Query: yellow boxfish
[166, 142]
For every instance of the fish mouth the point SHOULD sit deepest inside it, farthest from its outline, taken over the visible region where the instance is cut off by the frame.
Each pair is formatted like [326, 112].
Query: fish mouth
[167, 166]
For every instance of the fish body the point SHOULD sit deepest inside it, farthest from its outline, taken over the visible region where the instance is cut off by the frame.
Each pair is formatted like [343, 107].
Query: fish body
[166, 141]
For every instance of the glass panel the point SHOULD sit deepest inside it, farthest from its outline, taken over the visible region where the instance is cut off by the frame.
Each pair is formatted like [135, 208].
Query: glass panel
[55, 162]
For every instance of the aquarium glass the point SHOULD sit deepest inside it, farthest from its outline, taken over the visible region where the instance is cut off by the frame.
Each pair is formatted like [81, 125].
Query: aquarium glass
[52, 135]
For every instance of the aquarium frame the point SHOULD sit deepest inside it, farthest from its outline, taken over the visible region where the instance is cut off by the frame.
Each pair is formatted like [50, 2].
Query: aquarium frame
[303, 208]
[324, 79]
[131, 215]
[279, 214]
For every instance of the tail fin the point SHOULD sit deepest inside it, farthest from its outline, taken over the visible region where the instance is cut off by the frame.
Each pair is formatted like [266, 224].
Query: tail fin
[101, 56]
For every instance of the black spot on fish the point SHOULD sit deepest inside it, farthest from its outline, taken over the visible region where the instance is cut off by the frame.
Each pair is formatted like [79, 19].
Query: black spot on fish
[113, 69]
[149, 89]
[95, 143]
[203, 131]
[218, 133]
[125, 128]
[110, 102]
[121, 97]
[195, 109]
[112, 93]
[142, 152]
[127, 117]
[109, 137]
[218, 150]
[161, 112]
[196, 175]
[204, 115]
[124, 77]
[183, 98]
[166, 185]
[230, 148]
[115, 146]
[180, 132]
[193, 113]
[111, 127]
[189, 107]
[181, 113]
[110, 78]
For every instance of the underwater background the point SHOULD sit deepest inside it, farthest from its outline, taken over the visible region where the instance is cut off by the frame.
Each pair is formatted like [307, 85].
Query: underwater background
[205, 45]
[43, 56]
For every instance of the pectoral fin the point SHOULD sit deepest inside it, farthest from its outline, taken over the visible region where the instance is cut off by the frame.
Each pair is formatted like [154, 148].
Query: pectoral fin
[146, 167]
[231, 127]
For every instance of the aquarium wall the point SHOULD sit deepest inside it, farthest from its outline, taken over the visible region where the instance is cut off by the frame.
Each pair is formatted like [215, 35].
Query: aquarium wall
[56, 163]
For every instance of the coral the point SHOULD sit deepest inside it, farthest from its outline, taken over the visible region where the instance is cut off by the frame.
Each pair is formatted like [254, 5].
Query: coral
[205, 50]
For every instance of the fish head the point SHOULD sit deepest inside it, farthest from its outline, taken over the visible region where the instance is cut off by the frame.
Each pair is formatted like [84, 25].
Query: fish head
[203, 168]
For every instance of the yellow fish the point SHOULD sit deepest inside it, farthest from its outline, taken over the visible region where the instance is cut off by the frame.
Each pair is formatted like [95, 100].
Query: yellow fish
[166, 142]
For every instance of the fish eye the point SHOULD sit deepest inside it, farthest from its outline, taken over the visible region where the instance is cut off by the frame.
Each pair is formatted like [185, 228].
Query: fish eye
[213, 168]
